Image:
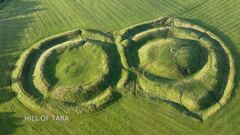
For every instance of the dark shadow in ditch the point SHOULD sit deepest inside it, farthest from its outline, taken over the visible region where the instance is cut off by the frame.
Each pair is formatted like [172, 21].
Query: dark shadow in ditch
[114, 62]
[6, 94]
[116, 96]
[13, 21]
[29, 66]
[111, 79]
[222, 73]
[229, 44]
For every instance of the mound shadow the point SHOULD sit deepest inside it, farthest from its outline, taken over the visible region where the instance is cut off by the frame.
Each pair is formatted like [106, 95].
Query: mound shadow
[116, 96]
[230, 44]
[223, 67]
[9, 123]
[51, 70]
[6, 68]
[6, 95]
[114, 65]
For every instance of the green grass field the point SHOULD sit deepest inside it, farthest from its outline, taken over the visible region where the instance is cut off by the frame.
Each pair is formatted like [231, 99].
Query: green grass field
[89, 57]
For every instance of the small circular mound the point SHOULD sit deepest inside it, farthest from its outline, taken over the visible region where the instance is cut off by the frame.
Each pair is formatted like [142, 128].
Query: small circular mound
[76, 66]
[171, 58]
[74, 69]
[70, 71]
[178, 62]
[79, 65]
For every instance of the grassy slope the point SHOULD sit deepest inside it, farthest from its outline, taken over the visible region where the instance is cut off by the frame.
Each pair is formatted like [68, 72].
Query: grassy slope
[23, 22]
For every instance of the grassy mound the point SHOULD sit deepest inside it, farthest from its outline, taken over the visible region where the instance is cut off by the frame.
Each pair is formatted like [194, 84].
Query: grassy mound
[169, 59]
[77, 65]
[166, 59]
[69, 71]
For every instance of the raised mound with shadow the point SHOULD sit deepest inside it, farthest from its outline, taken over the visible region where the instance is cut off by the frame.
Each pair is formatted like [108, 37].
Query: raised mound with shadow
[73, 71]
[171, 60]
[167, 59]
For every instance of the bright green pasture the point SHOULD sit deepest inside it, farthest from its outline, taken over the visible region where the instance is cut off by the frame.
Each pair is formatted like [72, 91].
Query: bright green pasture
[24, 22]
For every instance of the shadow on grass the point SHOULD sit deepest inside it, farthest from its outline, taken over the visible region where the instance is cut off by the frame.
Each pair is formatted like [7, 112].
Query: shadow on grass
[114, 62]
[3, 3]
[229, 43]
[116, 96]
[9, 123]
[6, 95]
[13, 20]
